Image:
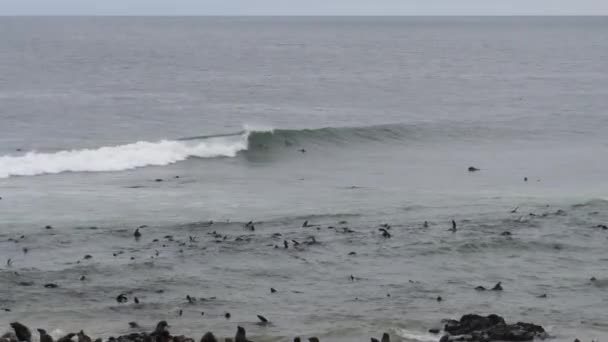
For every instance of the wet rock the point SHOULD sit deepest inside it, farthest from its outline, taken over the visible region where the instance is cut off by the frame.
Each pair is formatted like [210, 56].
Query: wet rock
[478, 328]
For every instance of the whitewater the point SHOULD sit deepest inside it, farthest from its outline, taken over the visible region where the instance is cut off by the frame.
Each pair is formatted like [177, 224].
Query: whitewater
[122, 157]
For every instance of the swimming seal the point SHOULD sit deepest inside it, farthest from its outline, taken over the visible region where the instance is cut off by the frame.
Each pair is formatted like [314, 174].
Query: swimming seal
[497, 287]
[122, 298]
[453, 229]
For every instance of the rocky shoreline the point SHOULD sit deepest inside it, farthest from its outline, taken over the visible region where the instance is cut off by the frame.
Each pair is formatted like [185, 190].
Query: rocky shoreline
[470, 328]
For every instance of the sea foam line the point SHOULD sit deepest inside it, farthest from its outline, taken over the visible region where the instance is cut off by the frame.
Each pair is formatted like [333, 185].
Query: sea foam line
[121, 157]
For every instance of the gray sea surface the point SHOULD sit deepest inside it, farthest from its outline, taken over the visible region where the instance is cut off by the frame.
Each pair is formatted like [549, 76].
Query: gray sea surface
[191, 127]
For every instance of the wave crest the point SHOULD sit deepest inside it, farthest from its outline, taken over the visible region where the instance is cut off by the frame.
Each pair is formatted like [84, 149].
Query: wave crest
[121, 157]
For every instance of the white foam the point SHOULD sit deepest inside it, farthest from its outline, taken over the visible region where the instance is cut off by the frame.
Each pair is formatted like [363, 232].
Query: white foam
[416, 336]
[121, 157]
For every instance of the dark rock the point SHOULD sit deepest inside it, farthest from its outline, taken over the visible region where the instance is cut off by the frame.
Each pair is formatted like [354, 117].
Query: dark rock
[471, 322]
[492, 328]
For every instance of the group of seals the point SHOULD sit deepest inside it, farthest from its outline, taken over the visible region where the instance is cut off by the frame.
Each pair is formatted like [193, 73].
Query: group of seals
[160, 334]
[23, 334]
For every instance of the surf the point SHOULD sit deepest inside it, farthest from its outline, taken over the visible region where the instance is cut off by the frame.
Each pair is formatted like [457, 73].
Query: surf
[122, 157]
[252, 141]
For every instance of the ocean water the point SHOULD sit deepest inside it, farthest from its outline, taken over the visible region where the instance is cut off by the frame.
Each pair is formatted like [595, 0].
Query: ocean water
[192, 127]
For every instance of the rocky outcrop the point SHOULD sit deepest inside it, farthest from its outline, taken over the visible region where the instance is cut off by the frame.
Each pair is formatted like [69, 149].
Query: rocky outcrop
[476, 328]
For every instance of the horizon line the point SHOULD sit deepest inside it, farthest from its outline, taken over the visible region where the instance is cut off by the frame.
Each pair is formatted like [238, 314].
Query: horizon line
[304, 15]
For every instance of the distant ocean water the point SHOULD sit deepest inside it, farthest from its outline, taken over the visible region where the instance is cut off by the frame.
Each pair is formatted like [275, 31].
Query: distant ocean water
[192, 127]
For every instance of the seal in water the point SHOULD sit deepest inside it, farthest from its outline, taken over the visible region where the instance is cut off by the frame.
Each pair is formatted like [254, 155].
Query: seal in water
[385, 233]
[23, 333]
[208, 337]
[385, 338]
[263, 320]
[473, 169]
[160, 328]
[241, 335]
[497, 287]
[137, 234]
[313, 339]
[44, 336]
[122, 298]
[82, 337]
[453, 230]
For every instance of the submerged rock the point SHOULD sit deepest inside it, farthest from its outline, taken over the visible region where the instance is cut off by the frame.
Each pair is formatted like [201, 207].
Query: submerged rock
[476, 328]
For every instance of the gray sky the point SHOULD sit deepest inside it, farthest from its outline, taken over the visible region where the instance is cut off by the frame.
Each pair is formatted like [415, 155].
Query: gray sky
[303, 7]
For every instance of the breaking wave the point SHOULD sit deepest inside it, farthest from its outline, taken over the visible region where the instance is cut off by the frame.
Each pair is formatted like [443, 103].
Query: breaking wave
[251, 140]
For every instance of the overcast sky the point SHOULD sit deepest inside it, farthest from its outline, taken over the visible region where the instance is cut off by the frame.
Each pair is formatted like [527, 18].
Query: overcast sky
[303, 7]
